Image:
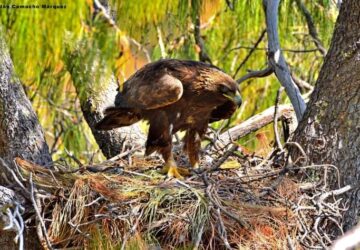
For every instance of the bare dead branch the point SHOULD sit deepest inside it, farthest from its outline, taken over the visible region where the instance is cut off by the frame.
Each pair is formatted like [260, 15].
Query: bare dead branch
[311, 26]
[203, 56]
[276, 59]
[13, 174]
[219, 161]
[275, 123]
[38, 214]
[260, 73]
[334, 192]
[10, 215]
[222, 229]
[266, 49]
[74, 158]
[298, 146]
[254, 123]
[122, 155]
[301, 83]
[161, 42]
[101, 9]
[350, 240]
[216, 204]
[104, 12]
[261, 37]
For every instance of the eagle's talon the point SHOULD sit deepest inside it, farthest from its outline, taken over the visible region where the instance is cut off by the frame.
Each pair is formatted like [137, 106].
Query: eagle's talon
[174, 173]
[196, 166]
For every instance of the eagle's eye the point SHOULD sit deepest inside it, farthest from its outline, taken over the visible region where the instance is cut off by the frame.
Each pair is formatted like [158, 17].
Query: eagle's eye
[224, 89]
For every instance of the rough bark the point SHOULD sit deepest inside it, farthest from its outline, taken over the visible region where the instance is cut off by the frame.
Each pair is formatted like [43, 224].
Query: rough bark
[20, 132]
[20, 136]
[329, 131]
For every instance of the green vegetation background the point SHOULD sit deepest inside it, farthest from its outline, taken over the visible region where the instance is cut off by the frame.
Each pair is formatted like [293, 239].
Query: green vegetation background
[42, 43]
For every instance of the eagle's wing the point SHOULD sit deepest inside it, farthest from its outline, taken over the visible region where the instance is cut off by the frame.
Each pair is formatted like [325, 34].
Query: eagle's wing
[153, 92]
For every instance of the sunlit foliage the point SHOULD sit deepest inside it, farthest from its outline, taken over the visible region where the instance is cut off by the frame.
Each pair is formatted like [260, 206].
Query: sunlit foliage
[44, 44]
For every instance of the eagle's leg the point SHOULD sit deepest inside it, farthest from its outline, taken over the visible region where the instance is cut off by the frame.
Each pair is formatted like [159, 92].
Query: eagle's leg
[193, 145]
[160, 140]
[193, 148]
[170, 168]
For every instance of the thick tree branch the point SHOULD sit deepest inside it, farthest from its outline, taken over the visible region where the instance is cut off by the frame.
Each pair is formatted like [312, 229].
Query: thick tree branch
[256, 122]
[277, 60]
[350, 240]
[93, 103]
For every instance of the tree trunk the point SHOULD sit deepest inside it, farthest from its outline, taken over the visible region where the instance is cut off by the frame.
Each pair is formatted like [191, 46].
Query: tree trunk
[20, 136]
[20, 132]
[96, 90]
[329, 131]
[111, 142]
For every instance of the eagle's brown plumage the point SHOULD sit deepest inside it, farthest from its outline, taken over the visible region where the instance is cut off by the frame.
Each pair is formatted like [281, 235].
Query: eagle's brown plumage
[174, 95]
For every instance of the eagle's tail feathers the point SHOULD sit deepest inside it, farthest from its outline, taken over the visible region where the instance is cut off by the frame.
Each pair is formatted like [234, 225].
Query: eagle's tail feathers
[117, 117]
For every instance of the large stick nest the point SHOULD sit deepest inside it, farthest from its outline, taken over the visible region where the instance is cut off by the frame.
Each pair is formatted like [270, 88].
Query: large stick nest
[235, 201]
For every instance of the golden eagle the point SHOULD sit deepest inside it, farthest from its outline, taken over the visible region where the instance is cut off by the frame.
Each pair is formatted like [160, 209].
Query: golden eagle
[174, 95]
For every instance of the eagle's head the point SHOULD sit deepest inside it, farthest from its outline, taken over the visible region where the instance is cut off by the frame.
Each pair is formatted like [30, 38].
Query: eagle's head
[224, 88]
[230, 90]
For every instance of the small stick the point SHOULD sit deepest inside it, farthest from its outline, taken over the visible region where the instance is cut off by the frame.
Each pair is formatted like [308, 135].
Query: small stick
[263, 32]
[223, 233]
[40, 220]
[126, 153]
[334, 192]
[217, 205]
[74, 158]
[275, 123]
[3, 163]
[132, 230]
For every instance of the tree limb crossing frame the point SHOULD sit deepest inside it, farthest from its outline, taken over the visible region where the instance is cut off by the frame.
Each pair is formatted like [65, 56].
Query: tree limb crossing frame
[277, 60]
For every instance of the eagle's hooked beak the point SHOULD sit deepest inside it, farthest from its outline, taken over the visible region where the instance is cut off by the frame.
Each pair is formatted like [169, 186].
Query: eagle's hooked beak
[236, 98]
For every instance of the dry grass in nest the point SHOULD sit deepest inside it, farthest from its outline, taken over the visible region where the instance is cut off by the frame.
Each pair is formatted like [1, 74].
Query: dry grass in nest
[115, 205]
